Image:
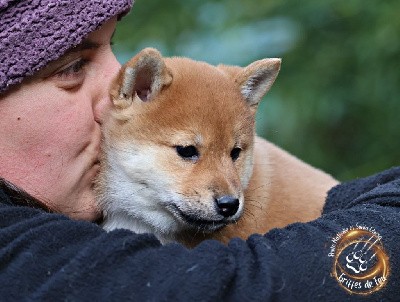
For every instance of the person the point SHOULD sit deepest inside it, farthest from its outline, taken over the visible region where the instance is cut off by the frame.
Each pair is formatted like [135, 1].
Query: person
[56, 65]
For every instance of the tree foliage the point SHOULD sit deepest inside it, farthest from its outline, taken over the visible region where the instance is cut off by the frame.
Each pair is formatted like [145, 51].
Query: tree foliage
[335, 103]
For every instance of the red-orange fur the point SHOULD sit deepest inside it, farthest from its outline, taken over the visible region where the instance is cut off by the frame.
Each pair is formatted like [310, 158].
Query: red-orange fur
[199, 100]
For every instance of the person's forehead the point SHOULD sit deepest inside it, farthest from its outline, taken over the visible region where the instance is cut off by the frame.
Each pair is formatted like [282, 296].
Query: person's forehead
[104, 33]
[94, 40]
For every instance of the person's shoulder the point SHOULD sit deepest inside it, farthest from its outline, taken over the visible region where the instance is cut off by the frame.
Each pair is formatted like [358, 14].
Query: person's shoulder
[383, 187]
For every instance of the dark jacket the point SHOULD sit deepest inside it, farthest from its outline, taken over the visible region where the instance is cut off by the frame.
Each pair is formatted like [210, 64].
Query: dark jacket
[48, 257]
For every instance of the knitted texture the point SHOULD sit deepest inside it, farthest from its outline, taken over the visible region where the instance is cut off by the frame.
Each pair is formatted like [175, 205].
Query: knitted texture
[36, 32]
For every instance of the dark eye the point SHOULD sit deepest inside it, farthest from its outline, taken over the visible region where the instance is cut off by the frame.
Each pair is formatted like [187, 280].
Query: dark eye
[235, 153]
[73, 69]
[71, 75]
[187, 152]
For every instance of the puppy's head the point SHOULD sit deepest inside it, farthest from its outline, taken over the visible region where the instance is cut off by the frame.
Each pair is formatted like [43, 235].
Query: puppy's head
[179, 141]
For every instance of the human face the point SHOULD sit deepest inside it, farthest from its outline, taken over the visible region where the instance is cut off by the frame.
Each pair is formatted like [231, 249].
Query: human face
[50, 127]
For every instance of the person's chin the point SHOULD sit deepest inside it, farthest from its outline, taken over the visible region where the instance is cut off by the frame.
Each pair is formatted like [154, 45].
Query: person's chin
[88, 208]
[86, 202]
[92, 171]
[95, 168]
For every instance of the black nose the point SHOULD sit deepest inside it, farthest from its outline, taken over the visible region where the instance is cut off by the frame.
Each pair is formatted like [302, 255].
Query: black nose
[227, 205]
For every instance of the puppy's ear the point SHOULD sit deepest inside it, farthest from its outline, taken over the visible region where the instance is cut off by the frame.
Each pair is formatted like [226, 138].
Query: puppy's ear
[141, 79]
[256, 79]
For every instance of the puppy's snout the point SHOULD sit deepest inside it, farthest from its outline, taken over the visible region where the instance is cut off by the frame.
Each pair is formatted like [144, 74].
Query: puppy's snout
[227, 205]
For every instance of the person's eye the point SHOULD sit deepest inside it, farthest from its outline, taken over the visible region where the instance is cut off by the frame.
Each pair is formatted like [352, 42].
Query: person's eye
[72, 74]
[72, 69]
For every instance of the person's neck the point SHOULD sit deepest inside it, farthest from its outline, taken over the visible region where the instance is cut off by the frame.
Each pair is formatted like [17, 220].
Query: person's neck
[18, 197]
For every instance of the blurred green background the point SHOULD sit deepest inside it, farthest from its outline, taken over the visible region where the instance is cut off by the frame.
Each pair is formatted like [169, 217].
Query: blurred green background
[335, 103]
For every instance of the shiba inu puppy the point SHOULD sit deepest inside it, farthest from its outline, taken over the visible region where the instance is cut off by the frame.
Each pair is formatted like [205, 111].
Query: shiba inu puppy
[181, 159]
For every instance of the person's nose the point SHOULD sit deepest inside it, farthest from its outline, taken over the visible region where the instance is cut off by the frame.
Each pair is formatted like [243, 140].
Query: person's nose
[108, 71]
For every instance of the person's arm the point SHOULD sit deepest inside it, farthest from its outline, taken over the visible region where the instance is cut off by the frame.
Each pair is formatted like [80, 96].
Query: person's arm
[47, 256]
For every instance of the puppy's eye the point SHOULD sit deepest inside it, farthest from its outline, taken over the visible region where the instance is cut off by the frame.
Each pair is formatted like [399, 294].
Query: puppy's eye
[235, 153]
[187, 152]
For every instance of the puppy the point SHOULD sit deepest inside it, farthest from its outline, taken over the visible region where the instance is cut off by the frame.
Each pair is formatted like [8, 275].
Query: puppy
[181, 159]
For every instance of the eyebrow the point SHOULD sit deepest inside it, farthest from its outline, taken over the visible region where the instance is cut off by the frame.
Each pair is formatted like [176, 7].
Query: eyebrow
[85, 45]
[52, 66]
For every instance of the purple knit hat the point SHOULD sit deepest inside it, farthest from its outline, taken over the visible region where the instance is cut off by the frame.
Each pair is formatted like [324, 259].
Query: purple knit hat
[36, 32]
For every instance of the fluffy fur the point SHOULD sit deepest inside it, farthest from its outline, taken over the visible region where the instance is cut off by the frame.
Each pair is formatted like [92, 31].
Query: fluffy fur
[181, 159]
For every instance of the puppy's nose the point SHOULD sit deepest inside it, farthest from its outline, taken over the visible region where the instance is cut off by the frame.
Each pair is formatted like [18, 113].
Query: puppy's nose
[227, 205]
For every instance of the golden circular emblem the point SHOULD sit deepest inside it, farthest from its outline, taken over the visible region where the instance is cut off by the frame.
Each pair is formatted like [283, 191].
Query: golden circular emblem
[360, 264]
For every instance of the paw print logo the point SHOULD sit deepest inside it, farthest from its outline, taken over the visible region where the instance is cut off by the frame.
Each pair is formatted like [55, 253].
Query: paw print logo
[361, 265]
[357, 260]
